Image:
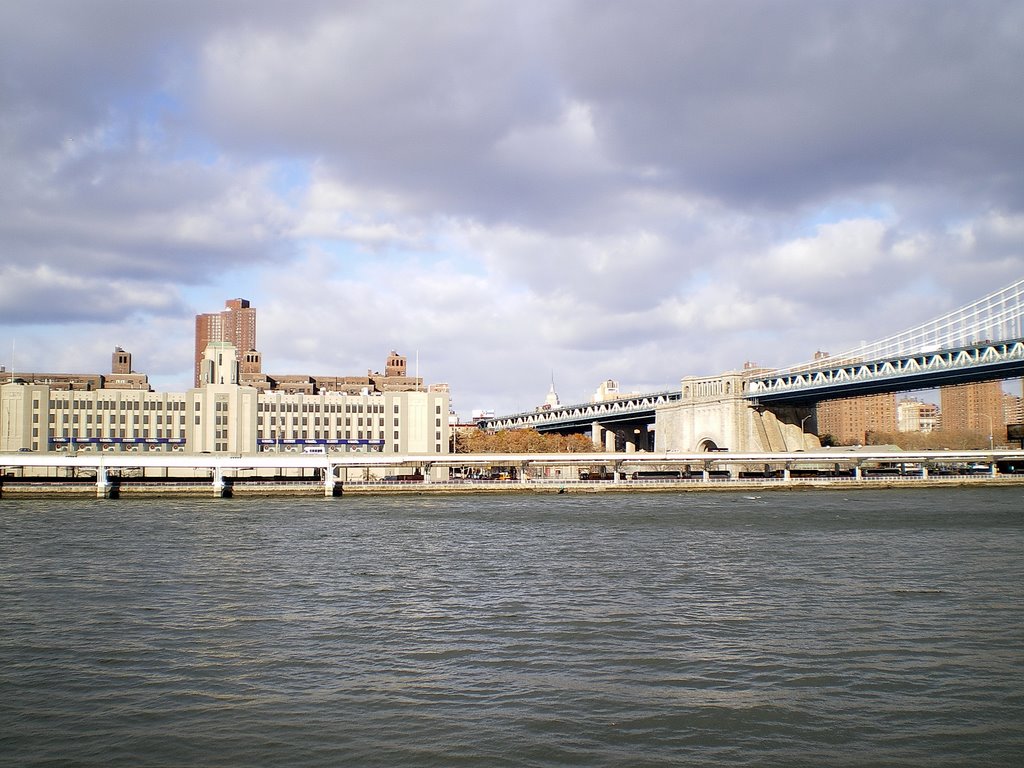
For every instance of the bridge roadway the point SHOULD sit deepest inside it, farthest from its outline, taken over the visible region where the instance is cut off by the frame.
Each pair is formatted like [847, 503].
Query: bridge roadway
[803, 386]
[223, 467]
[626, 410]
[806, 385]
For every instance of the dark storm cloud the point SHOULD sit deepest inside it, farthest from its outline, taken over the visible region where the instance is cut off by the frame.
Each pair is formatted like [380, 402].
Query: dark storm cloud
[765, 104]
[784, 103]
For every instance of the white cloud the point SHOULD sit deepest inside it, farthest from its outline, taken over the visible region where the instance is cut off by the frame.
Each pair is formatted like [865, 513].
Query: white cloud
[594, 190]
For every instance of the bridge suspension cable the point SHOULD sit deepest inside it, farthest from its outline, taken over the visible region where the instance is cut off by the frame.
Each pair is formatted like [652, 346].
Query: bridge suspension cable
[999, 316]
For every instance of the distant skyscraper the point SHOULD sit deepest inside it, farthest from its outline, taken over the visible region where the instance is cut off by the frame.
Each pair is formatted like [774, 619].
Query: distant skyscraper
[235, 324]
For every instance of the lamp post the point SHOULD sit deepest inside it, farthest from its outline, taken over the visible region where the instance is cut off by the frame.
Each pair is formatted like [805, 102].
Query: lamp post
[803, 442]
[990, 429]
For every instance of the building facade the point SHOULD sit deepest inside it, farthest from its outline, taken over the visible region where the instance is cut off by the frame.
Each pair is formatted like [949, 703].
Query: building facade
[913, 415]
[235, 324]
[850, 421]
[973, 408]
[394, 378]
[223, 415]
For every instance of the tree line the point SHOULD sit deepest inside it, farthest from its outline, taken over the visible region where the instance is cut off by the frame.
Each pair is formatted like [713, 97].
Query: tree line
[521, 441]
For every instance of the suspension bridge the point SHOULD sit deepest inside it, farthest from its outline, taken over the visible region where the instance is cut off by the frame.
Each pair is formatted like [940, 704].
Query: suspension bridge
[981, 341]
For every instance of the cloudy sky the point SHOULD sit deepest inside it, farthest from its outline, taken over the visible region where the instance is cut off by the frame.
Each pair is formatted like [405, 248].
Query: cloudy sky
[505, 191]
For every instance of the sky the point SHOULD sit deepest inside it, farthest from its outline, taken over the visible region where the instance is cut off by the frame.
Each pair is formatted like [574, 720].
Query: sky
[509, 194]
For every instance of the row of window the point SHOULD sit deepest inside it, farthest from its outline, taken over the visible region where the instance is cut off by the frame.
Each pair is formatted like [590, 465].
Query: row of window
[323, 435]
[326, 422]
[112, 418]
[273, 407]
[90, 432]
[116, 405]
[179, 405]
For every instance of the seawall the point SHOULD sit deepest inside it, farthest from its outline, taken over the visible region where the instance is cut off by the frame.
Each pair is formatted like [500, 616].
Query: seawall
[150, 489]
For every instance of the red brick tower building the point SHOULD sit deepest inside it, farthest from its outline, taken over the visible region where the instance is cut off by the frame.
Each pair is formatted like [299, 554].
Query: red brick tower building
[236, 323]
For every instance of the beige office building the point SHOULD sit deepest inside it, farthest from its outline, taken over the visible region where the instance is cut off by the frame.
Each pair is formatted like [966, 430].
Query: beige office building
[220, 416]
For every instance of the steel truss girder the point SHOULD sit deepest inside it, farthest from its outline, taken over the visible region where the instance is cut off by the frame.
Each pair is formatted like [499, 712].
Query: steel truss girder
[979, 362]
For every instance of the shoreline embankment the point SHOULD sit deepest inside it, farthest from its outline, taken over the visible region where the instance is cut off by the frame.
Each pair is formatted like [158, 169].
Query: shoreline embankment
[58, 489]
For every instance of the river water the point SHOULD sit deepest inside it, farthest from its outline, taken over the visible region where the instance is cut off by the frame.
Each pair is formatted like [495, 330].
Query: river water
[800, 628]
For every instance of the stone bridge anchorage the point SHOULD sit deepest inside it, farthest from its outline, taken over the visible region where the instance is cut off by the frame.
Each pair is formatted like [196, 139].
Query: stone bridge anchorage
[714, 413]
[704, 414]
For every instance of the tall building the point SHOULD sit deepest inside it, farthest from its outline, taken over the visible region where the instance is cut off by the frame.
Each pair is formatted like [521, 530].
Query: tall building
[1013, 409]
[235, 324]
[851, 420]
[974, 407]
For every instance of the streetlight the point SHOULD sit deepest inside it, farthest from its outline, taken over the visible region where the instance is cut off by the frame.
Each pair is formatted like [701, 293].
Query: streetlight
[803, 443]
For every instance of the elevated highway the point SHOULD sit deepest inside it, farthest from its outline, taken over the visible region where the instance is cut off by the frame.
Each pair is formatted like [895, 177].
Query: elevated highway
[527, 468]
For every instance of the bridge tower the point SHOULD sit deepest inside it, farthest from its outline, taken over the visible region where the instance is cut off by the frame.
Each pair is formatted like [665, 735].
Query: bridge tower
[714, 415]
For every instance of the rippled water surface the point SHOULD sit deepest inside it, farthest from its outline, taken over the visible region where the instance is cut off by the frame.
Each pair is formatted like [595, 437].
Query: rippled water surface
[796, 628]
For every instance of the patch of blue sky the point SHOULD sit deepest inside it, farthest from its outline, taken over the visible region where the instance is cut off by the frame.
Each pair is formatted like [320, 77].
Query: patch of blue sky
[232, 284]
[290, 180]
[361, 260]
[156, 122]
[698, 279]
[843, 210]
